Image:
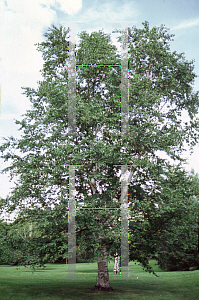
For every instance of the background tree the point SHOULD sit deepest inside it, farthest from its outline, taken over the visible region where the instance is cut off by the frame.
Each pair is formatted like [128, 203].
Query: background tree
[36, 237]
[160, 89]
[179, 248]
[4, 227]
[169, 231]
[195, 198]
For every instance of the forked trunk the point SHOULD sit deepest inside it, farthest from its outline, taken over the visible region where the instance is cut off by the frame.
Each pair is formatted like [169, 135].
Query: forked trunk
[103, 283]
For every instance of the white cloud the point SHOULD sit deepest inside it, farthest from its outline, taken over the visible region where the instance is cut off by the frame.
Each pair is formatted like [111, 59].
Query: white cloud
[187, 24]
[108, 15]
[70, 7]
[111, 11]
[22, 25]
[22, 28]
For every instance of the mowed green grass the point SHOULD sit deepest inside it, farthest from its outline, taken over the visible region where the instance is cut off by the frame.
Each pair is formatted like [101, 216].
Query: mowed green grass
[51, 283]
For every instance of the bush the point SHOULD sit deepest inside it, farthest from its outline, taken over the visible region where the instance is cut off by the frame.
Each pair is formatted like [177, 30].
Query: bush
[183, 260]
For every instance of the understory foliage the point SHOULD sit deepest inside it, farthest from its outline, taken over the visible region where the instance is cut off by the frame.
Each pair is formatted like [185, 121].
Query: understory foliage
[179, 240]
[36, 237]
[160, 90]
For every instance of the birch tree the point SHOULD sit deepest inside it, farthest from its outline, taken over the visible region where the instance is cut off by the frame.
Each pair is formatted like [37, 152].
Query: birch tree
[160, 89]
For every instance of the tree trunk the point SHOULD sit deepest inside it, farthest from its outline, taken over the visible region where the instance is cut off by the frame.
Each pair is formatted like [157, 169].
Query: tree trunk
[103, 283]
[116, 266]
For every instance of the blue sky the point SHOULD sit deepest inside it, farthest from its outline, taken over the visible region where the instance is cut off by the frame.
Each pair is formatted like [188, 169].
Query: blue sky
[23, 23]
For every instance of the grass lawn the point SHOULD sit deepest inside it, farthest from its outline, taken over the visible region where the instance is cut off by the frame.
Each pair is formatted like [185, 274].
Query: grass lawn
[46, 284]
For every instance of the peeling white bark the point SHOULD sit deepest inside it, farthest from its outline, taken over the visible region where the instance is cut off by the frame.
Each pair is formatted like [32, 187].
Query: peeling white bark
[116, 269]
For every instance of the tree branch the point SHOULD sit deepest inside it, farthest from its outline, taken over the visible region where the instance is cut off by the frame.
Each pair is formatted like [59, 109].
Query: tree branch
[80, 230]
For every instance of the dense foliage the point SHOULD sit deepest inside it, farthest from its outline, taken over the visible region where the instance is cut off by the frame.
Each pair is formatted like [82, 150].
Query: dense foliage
[179, 242]
[35, 238]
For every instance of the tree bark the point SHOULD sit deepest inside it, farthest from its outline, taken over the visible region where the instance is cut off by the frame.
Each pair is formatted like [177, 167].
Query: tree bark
[103, 283]
[116, 266]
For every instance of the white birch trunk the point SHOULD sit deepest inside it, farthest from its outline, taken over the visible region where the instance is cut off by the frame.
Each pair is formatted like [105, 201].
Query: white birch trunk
[116, 269]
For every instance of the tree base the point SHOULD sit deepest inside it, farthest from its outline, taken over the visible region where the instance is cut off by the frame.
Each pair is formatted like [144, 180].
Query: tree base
[101, 288]
[115, 273]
